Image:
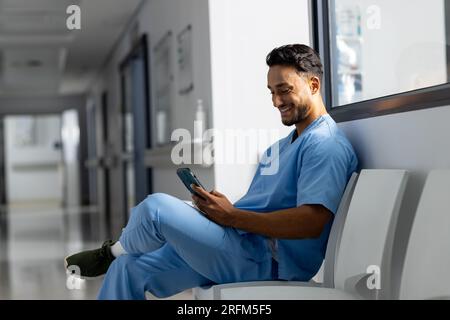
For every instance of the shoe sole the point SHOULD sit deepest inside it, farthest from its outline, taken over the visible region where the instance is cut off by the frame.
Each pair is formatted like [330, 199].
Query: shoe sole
[66, 265]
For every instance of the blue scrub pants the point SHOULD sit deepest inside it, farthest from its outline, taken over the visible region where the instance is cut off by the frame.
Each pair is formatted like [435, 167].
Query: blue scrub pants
[173, 247]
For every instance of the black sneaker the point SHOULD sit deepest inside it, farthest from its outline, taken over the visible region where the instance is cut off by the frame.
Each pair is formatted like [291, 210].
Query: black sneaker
[92, 263]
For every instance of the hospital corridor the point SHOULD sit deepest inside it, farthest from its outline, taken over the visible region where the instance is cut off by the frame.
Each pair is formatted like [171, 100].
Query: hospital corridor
[224, 150]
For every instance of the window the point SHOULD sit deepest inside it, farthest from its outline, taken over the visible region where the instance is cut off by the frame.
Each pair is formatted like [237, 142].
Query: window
[383, 51]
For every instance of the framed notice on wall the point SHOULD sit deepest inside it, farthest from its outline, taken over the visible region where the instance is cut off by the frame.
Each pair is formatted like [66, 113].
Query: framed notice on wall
[184, 50]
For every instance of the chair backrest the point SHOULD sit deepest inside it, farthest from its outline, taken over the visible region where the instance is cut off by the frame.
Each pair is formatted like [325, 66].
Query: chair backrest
[367, 237]
[427, 261]
[336, 233]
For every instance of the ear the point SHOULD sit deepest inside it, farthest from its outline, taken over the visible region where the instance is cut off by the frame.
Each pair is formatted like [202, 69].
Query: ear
[314, 85]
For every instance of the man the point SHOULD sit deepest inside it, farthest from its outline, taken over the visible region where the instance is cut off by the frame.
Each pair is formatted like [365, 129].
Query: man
[278, 230]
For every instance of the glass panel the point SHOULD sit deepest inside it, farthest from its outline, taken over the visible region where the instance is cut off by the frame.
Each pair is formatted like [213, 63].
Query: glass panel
[382, 47]
[128, 143]
[163, 87]
[128, 112]
[131, 202]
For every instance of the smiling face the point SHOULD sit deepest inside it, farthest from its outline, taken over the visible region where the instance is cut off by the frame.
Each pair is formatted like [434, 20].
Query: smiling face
[291, 93]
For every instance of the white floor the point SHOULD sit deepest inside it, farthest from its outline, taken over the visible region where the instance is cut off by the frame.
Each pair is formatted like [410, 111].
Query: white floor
[32, 253]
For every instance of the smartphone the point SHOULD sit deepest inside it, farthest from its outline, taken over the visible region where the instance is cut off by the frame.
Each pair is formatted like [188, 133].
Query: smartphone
[188, 178]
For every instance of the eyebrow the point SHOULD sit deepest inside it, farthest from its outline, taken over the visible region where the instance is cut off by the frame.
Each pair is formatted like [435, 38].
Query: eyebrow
[282, 84]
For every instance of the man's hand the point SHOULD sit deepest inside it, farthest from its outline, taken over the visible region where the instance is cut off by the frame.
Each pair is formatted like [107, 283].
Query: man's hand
[304, 222]
[216, 206]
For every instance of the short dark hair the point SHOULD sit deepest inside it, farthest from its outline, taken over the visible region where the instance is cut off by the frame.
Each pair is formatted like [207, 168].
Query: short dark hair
[300, 56]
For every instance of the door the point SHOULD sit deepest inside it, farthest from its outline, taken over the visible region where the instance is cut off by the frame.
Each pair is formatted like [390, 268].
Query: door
[136, 125]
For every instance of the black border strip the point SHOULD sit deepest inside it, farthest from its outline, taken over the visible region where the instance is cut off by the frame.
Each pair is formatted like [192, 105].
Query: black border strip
[430, 97]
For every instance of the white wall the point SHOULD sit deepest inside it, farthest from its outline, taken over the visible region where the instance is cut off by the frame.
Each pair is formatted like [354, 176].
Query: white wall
[34, 173]
[158, 18]
[242, 34]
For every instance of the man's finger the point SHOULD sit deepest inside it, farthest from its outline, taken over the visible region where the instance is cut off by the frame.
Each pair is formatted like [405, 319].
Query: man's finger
[201, 191]
[217, 193]
[197, 200]
[201, 206]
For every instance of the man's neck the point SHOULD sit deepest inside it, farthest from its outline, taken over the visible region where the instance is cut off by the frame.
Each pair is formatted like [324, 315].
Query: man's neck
[313, 115]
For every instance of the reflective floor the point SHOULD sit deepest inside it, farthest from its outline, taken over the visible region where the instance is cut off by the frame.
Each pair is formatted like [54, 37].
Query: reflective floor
[35, 241]
[33, 244]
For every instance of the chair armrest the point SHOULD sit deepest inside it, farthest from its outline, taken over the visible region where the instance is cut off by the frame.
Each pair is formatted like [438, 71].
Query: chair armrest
[357, 285]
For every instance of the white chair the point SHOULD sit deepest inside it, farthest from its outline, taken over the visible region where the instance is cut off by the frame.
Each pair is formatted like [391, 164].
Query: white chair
[212, 292]
[366, 240]
[427, 260]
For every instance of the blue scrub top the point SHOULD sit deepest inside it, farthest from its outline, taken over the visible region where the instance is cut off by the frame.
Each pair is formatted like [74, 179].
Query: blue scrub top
[314, 169]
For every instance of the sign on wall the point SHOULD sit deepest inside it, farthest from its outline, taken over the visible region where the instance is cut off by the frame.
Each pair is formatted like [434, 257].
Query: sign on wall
[186, 82]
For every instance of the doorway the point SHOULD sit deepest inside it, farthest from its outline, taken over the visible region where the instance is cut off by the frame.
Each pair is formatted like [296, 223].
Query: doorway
[33, 160]
[136, 125]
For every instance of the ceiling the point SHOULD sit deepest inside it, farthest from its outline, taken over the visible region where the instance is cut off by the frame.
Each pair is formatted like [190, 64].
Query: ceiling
[40, 56]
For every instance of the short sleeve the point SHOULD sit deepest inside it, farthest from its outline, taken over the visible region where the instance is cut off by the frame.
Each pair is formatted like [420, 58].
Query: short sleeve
[323, 172]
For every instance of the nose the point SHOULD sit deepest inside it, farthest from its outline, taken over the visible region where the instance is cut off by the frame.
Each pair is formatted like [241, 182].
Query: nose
[277, 101]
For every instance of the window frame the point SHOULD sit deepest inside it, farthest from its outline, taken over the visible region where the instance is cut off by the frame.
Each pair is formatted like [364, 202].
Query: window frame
[425, 98]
